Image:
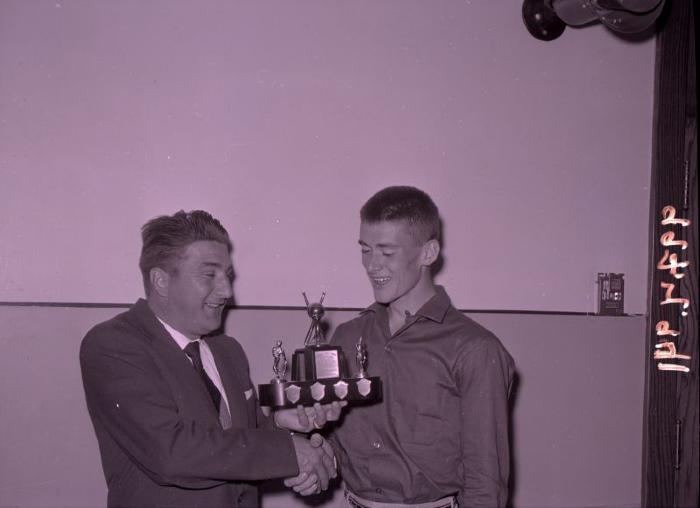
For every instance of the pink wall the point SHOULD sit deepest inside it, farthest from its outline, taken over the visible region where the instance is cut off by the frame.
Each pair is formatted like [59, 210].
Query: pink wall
[283, 117]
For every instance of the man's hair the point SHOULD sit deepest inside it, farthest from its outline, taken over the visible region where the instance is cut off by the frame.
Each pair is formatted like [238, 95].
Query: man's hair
[166, 237]
[407, 204]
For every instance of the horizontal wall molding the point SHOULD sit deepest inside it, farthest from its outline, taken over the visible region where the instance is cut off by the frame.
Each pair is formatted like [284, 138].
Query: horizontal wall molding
[103, 305]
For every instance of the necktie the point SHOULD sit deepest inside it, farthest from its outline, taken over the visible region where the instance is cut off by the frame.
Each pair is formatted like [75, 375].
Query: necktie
[192, 350]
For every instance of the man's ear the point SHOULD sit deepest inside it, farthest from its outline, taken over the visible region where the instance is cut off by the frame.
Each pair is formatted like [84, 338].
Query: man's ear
[160, 279]
[431, 251]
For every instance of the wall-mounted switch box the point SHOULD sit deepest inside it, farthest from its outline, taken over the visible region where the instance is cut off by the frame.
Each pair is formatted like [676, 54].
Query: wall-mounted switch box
[611, 294]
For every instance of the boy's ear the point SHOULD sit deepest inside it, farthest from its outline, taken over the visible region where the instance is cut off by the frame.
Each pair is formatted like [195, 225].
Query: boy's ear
[431, 251]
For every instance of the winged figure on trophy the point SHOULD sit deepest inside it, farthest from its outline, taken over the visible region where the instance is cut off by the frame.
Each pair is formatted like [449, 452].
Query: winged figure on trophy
[315, 335]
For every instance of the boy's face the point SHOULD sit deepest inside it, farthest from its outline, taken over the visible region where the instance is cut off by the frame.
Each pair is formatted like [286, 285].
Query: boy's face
[392, 258]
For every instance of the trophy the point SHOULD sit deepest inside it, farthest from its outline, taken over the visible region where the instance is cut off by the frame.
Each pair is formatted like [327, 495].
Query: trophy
[319, 372]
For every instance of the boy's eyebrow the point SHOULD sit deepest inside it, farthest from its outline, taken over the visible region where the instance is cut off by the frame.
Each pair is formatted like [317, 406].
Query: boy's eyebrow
[380, 245]
[214, 264]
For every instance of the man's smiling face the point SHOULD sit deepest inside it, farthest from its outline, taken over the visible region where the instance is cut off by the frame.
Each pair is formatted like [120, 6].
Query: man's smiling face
[198, 288]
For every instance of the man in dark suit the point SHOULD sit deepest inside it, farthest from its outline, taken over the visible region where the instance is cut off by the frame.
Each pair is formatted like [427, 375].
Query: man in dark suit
[174, 410]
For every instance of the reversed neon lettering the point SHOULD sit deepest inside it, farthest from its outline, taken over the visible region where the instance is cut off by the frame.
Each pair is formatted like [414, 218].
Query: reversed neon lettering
[673, 264]
[669, 217]
[673, 367]
[668, 239]
[669, 298]
[667, 351]
[664, 328]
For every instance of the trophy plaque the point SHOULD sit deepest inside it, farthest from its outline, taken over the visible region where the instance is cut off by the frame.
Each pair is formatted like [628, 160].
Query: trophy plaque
[319, 372]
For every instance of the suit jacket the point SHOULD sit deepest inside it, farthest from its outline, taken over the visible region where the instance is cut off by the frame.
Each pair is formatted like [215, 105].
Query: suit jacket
[160, 439]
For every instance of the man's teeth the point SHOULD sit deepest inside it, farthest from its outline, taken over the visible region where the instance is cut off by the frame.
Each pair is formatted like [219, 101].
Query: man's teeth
[381, 280]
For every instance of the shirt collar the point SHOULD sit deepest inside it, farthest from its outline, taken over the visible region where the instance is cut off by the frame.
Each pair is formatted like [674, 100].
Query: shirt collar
[181, 340]
[434, 309]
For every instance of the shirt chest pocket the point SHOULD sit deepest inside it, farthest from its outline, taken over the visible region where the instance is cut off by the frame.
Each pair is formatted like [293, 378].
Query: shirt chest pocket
[242, 401]
[427, 429]
[420, 402]
[425, 420]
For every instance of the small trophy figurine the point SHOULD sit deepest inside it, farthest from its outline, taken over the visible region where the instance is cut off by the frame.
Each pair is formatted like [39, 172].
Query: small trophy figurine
[361, 357]
[279, 364]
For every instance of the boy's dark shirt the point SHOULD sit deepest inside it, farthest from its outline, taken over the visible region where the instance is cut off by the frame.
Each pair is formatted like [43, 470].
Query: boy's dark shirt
[442, 428]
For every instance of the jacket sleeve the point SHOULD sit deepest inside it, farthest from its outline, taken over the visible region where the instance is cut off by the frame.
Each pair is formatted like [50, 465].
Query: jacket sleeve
[133, 408]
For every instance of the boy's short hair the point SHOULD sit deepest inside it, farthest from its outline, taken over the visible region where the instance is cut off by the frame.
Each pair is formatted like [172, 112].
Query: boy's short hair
[408, 204]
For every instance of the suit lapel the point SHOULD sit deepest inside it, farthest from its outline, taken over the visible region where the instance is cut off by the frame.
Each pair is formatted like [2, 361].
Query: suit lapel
[188, 385]
[232, 376]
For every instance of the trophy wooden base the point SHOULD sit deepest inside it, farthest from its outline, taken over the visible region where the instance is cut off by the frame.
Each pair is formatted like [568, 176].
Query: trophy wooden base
[286, 394]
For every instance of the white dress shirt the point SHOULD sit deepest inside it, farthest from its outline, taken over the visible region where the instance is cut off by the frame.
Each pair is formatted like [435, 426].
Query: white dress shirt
[207, 357]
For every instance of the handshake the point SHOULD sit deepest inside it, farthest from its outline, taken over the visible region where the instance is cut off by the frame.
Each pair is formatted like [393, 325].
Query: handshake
[315, 457]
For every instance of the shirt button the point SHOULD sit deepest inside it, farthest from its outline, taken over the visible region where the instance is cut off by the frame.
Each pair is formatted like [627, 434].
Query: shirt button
[377, 444]
[387, 349]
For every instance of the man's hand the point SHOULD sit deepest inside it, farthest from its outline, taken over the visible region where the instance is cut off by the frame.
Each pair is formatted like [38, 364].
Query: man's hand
[306, 419]
[316, 465]
[329, 460]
